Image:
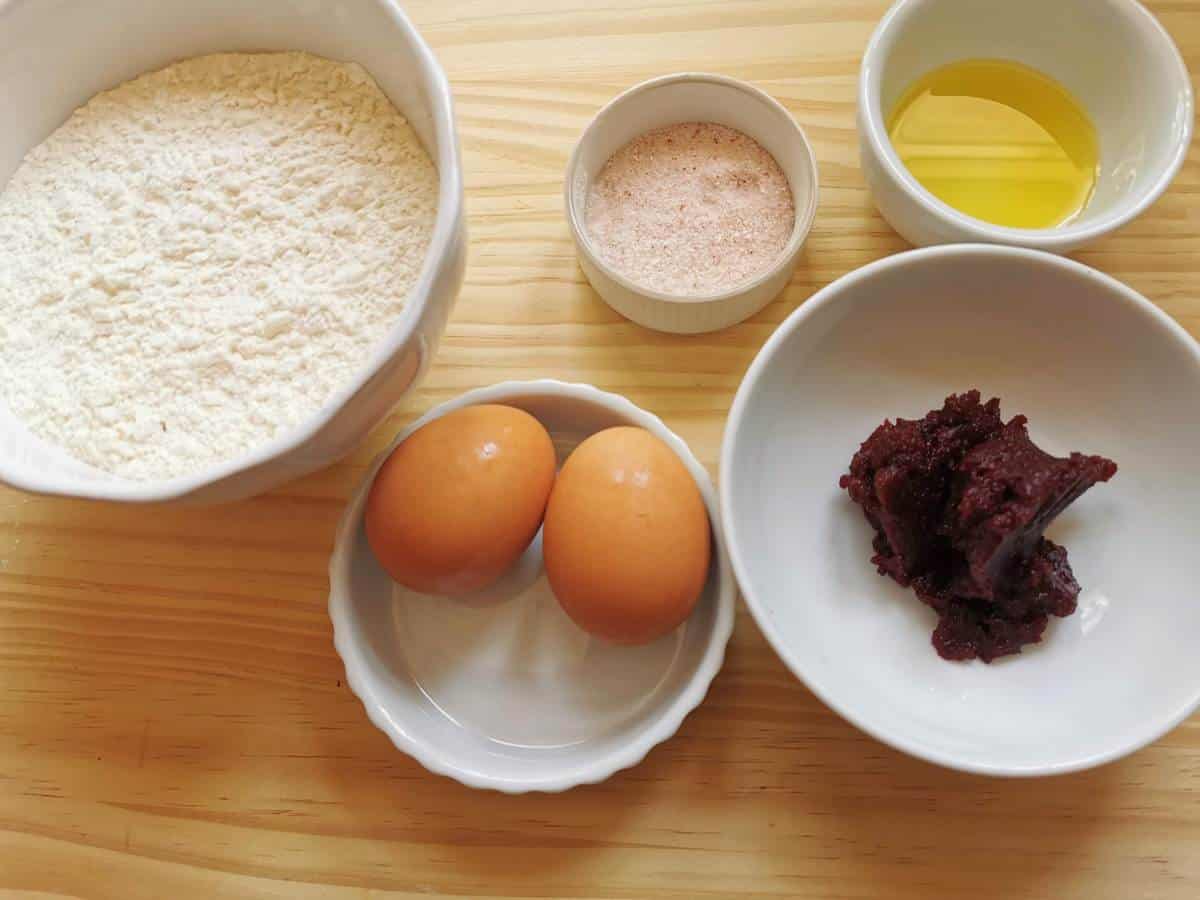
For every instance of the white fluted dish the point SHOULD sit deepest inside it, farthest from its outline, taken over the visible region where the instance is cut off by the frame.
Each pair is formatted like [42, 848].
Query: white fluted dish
[501, 690]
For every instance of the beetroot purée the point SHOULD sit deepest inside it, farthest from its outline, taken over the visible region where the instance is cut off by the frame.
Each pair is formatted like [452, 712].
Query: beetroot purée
[959, 501]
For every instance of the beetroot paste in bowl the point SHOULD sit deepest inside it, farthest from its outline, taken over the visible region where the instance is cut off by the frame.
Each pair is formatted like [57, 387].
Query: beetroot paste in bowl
[960, 501]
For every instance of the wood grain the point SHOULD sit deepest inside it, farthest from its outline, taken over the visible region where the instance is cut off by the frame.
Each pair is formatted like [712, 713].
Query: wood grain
[173, 720]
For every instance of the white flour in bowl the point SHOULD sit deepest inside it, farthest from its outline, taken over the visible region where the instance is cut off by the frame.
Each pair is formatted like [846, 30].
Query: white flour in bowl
[196, 260]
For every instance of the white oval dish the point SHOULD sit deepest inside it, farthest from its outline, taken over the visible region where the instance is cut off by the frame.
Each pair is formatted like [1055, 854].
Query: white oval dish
[49, 65]
[1098, 369]
[1112, 55]
[670, 100]
[500, 689]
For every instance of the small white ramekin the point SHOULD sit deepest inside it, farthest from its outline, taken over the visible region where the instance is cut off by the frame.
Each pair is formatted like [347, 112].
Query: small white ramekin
[1113, 55]
[501, 690]
[670, 100]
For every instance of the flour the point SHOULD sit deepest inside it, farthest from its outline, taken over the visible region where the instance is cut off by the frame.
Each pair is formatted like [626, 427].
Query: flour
[196, 260]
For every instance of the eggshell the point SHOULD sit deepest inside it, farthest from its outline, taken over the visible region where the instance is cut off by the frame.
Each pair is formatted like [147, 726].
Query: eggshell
[460, 499]
[626, 539]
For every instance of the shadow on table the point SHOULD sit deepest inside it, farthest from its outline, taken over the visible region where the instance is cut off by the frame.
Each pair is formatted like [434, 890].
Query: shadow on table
[763, 788]
[788, 793]
[841, 808]
[217, 698]
[918, 831]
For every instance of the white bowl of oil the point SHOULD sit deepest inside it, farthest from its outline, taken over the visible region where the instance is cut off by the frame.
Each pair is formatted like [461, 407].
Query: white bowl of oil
[1033, 123]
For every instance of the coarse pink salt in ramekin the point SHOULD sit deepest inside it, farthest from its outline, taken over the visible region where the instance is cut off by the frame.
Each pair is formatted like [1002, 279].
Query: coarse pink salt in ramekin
[691, 208]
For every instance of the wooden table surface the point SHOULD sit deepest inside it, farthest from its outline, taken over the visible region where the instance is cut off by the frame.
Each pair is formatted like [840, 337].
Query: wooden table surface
[173, 720]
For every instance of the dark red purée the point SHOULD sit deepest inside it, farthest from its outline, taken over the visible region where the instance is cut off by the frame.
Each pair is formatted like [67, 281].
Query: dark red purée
[959, 501]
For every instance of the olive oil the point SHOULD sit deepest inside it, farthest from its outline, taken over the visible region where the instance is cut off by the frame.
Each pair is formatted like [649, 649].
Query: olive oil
[998, 141]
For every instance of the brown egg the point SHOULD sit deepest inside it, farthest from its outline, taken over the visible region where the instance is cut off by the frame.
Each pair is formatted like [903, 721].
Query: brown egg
[460, 499]
[626, 539]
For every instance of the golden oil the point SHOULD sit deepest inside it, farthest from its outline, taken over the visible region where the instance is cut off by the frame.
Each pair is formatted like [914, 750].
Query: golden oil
[998, 141]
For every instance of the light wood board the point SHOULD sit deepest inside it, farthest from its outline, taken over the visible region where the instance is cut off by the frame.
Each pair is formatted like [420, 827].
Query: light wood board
[172, 716]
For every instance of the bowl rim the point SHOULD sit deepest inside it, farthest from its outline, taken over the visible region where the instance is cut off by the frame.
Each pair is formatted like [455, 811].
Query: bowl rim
[805, 217]
[831, 294]
[435, 269]
[873, 129]
[670, 714]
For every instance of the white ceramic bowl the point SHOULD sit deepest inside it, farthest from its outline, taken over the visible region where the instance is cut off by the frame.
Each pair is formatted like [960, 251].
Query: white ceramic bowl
[670, 100]
[1113, 55]
[55, 56]
[1098, 369]
[501, 690]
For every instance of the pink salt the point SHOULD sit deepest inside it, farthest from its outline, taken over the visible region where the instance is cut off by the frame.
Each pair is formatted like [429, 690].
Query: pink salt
[690, 209]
